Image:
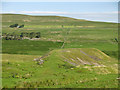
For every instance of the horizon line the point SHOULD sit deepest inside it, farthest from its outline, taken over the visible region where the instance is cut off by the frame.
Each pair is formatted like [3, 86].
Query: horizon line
[61, 16]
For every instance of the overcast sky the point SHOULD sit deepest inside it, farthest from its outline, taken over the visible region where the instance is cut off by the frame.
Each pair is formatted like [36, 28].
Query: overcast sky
[95, 11]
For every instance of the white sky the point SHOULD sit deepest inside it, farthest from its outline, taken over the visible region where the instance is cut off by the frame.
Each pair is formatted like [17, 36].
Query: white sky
[94, 11]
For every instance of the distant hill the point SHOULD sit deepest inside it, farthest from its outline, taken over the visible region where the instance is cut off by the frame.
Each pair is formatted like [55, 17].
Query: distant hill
[48, 20]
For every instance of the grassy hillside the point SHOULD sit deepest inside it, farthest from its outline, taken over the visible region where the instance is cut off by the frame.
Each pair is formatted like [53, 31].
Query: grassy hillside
[29, 47]
[74, 32]
[76, 53]
[62, 68]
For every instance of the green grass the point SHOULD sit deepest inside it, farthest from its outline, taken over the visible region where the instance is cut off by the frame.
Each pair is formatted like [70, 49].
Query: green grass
[29, 47]
[78, 33]
[19, 69]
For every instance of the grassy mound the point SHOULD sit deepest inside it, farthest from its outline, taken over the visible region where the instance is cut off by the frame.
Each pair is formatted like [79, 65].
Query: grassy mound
[70, 68]
[80, 57]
